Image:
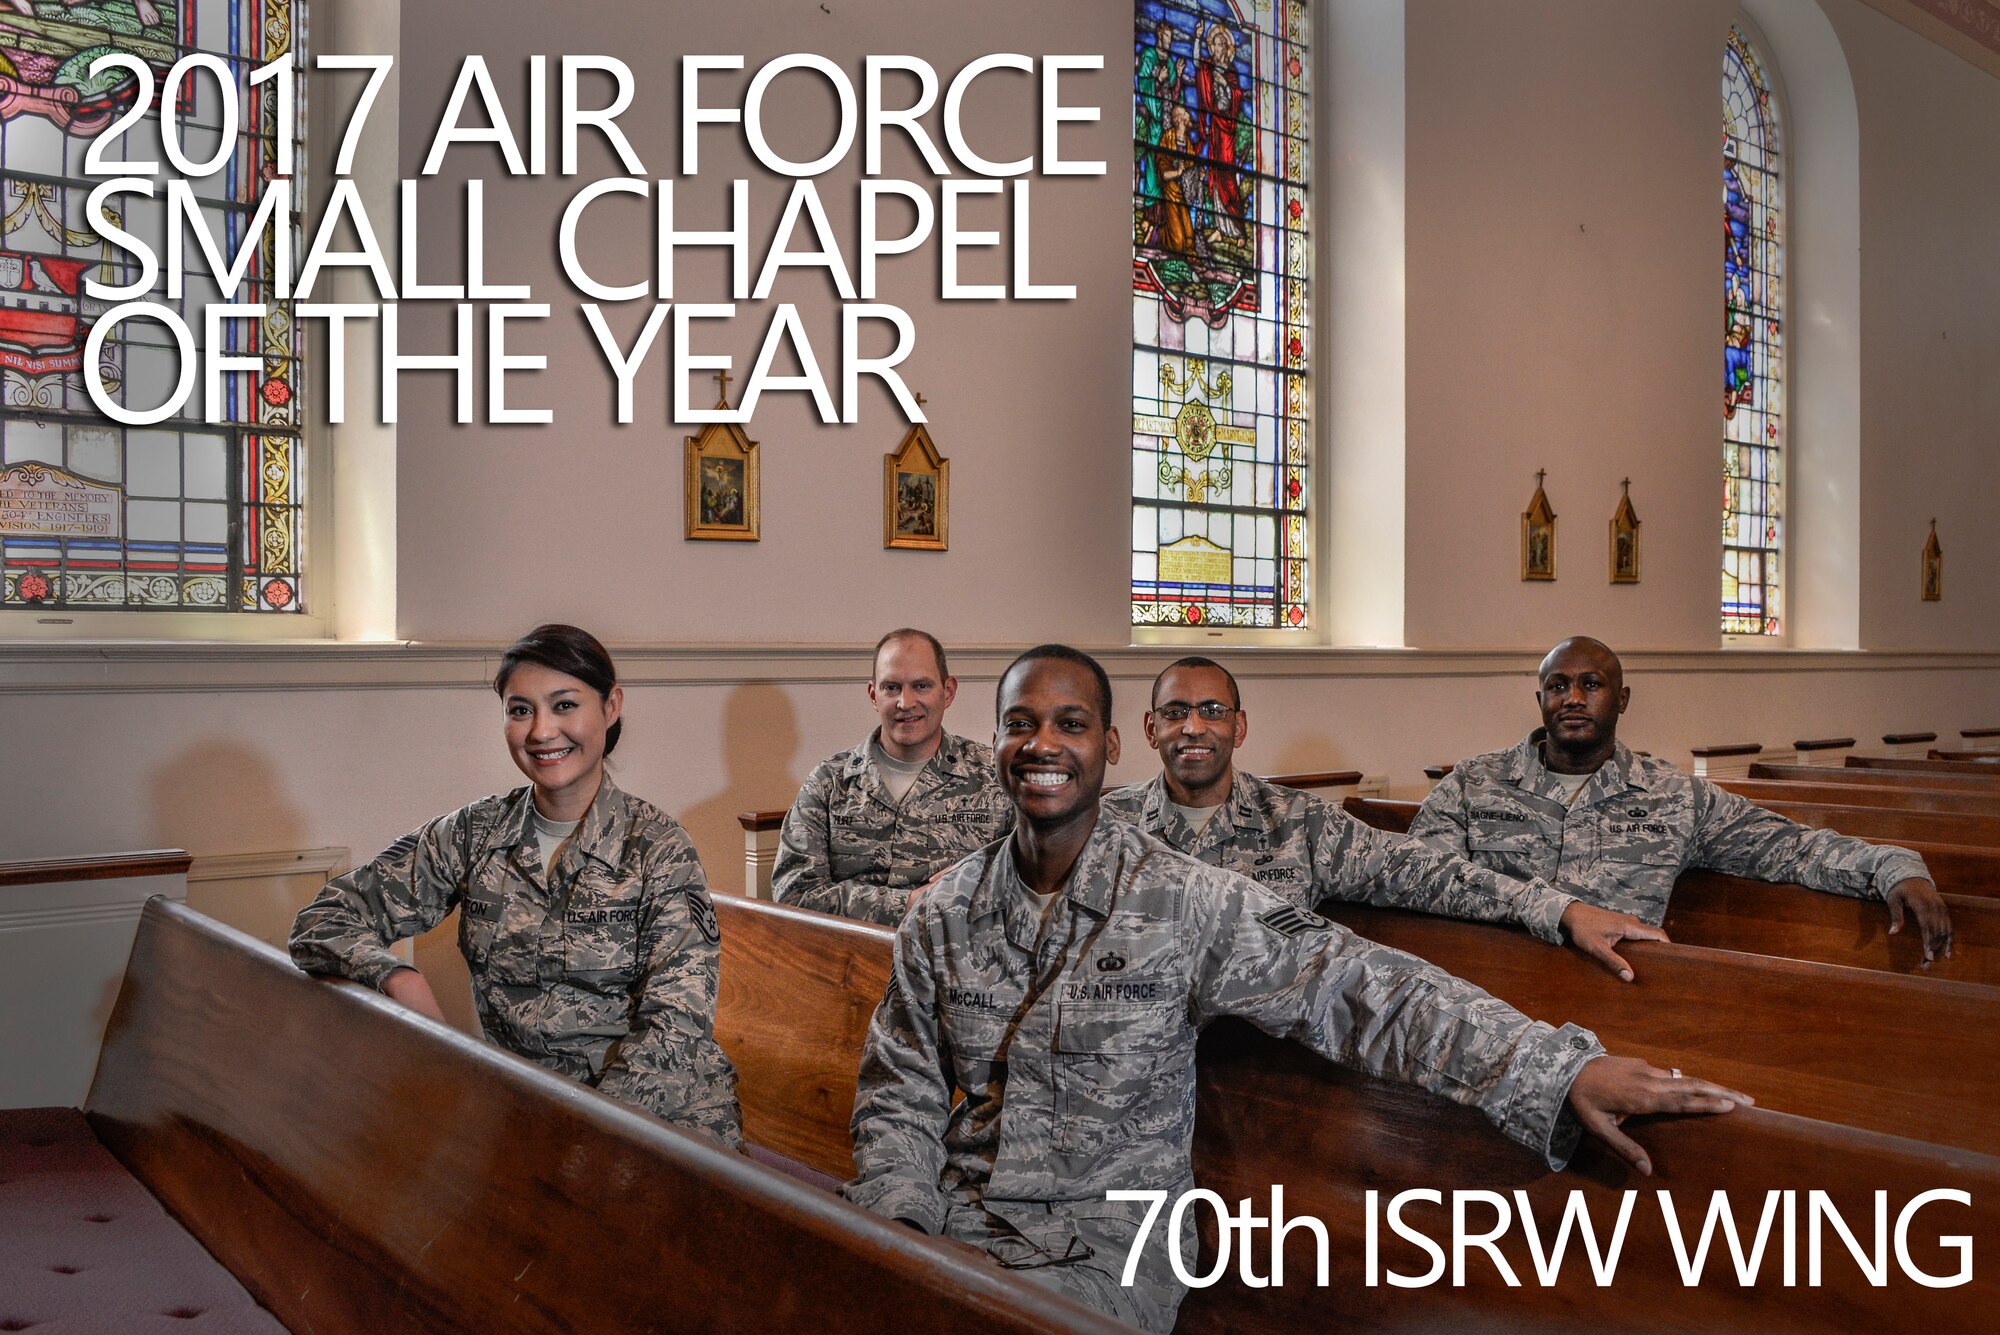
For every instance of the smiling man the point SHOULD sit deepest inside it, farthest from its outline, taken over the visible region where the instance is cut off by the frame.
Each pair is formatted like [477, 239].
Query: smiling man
[1572, 804]
[874, 824]
[1060, 978]
[1308, 851]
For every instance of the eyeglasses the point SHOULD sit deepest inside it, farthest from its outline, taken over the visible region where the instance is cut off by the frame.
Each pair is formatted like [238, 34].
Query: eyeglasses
[1211, 711]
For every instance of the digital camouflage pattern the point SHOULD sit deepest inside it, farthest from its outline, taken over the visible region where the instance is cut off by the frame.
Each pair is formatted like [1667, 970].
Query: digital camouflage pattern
[1635, 826]
[1309, 851]
[604, 970]
[1076, 1055]
[847, 847]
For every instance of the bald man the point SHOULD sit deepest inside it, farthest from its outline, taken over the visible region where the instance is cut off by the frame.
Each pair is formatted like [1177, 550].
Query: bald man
[1573, 806]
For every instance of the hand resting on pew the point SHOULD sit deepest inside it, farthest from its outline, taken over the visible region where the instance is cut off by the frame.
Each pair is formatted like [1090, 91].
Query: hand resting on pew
[1920, 898]
[1594, 931]
[1609, 1089]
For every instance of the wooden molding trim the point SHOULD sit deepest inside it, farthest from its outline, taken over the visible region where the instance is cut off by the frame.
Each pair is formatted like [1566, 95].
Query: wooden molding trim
[1339, 778]
[1823, 744]
[1739, 749]
[1907, 738]
[327, 863]
[39, 871]
[757, 821]
[1436, 773]
[1979, 732]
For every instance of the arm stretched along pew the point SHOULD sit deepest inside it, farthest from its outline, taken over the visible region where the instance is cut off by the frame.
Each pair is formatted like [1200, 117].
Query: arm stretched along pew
[1270, 1113]
[1905, 1056]
[1957, 869]
[360, 1169]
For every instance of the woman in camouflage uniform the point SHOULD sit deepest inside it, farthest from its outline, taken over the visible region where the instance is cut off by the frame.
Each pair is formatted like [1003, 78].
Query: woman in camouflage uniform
[585, 918]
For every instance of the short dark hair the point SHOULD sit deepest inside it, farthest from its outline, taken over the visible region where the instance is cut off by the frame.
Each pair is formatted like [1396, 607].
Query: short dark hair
[572, 652]
[911, 633]
[1062, 653]
[1197, 661]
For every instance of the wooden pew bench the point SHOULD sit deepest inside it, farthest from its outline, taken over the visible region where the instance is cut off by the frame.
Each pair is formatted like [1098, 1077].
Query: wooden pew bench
[1888, 797]
[1880, 778]
[1270, 1113]
[1917, 765]
[1957, 869]
[360, 1169]
[1907, 1056]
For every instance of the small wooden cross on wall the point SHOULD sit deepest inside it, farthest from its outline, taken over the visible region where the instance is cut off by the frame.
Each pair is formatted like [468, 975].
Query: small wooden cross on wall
[722, 379]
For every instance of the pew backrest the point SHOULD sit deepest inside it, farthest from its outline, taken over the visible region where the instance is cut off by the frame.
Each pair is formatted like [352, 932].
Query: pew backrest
[1880, 778]
[1918, 765]
[358, 1168]
[1766, 792]
[1905, 1056]
[781, 1010]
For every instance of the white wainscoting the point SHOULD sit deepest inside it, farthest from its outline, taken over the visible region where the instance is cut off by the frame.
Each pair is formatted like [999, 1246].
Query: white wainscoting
[63, 947]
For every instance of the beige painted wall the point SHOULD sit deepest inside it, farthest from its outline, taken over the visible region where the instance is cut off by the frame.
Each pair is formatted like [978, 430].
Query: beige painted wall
[1930, 398]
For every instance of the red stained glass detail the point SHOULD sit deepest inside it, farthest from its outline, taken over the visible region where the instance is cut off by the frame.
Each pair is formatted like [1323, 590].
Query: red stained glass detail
[1295, 348]
[277, 393]
[278, 593]
[34, 588]
[1194, 616]
[1297, 210]
[1292, 488]
[1295, 616]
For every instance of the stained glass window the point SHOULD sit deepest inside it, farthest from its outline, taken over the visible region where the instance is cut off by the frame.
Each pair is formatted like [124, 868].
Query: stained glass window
[1221, 259]
[1753, 273]
[186, 513]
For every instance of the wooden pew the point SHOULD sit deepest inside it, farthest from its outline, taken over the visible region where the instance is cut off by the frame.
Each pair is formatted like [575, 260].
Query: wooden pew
[1887, 826]
[1975, 757]
[1791, 922]
[1271, 1113]
[1879, 778]
[1340, 778]
[1956, 869]
[1905, 1056]
[782, 1007]
[1913, 765]
[1766, 792]
[360, 1169]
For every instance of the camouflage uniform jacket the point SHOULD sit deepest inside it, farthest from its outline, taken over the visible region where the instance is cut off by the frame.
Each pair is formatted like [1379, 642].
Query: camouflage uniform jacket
[1635, 826]
[1077, 1059]
[604, 970]
[1309, 851]
[849, 848]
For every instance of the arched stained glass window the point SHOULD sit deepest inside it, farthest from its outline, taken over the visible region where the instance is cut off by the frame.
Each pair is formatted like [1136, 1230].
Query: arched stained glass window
[184, 514]
[1753, 380]
[1220, 265]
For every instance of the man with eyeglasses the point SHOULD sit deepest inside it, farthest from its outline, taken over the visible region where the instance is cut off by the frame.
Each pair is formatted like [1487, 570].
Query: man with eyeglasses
[1309, 851]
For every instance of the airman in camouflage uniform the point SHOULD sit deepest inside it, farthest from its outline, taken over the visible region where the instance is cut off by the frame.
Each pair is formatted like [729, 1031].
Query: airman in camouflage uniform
[1060, 978]
[603, 970]
[1620, 836]
[1635, 827]
[849, 844]
[1308, 851]
[1077, 1059]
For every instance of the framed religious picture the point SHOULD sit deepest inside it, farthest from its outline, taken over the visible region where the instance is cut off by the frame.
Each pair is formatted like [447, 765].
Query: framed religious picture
[720, 491]
[1538, 534]
[1933, 580]
[1625, 539]
[916, 494]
